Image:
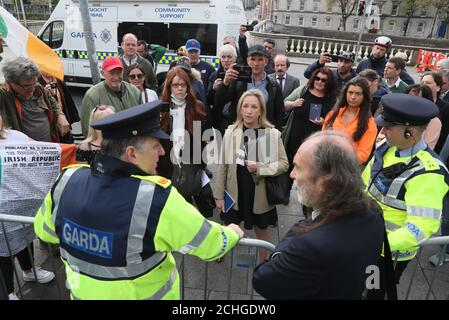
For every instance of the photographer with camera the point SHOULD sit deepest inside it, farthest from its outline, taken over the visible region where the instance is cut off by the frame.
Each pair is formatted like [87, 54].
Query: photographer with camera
[242, 51]
[240, 78]
[345, 64]
[228, 56]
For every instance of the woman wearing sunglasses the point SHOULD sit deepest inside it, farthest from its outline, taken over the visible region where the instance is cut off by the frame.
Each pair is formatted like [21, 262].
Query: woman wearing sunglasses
[309, 105]
[136, 76]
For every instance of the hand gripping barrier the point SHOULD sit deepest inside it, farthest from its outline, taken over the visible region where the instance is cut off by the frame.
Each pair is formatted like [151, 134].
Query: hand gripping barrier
[417, 262]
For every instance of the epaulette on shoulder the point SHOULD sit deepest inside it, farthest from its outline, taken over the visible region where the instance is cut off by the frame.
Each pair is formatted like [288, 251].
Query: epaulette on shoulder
[428, 161]
[160, 181]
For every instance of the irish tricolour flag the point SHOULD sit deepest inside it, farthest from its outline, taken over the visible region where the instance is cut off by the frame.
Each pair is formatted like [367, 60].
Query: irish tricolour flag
[25, 44]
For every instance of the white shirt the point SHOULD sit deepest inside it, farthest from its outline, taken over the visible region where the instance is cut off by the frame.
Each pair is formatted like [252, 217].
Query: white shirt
[177, 136]
[130, 62]
[151, 95]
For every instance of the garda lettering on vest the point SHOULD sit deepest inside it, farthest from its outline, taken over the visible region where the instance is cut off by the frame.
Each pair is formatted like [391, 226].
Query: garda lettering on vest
[88, 240]
[413, 229]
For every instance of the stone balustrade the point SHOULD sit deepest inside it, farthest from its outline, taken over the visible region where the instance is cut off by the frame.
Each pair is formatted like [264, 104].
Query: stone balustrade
[304, 46]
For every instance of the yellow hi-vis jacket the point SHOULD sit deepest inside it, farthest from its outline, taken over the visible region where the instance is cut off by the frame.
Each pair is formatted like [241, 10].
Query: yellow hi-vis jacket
[116, 233]
[413, 201]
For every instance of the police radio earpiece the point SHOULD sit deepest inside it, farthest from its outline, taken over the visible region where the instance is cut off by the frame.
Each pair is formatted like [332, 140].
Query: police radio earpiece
[407, 134]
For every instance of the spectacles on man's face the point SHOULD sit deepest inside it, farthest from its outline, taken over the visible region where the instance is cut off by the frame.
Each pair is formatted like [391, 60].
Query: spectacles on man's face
[136, 76]
[179, 85]
[27, 87]
[323, 80]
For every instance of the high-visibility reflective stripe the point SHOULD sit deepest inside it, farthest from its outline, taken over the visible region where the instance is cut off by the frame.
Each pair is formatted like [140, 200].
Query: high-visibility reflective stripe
[139, 222]
[166, 288]
[59, 189]
[198, 239]
[113, 273]
[392, 202]
[441, 164]
[397, 183]
[391, 226]
[424, 212]
[49, 231]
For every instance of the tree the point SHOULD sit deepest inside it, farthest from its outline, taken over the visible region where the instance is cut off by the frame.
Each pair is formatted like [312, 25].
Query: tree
[410, 7]
[346, 7]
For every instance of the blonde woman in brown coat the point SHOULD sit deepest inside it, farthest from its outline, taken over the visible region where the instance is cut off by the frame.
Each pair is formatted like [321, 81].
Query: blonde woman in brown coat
[251, 150]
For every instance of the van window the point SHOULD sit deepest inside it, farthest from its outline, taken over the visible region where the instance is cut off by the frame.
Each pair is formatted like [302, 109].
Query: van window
[53, 35]
[206, 34]
[172, 35]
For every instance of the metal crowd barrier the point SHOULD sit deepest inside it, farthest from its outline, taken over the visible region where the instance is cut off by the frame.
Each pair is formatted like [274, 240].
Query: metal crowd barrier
[237, 260]
[443, 242]
[240, 260]
[24, 221]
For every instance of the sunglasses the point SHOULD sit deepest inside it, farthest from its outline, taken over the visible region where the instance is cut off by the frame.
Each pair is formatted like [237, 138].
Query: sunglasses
[323, 80]
[136, 76]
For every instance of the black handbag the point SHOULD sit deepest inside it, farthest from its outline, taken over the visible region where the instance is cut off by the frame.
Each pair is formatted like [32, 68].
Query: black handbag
[278, 188]
[187, 179]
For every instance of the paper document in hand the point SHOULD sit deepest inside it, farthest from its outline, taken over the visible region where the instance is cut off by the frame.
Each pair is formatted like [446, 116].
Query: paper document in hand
[228, 202]
[204, 178]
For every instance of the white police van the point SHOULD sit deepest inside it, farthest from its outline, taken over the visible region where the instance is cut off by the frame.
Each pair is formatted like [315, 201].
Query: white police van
[167, 23]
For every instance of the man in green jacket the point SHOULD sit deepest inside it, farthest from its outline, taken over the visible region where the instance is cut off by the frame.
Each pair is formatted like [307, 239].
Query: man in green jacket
[113, 91]
[26, 106]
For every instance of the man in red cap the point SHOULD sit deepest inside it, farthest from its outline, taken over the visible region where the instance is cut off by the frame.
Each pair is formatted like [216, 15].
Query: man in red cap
[113, 91]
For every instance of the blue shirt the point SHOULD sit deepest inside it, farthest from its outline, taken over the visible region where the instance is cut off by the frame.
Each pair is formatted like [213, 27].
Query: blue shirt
[261, 86]
[413, 150]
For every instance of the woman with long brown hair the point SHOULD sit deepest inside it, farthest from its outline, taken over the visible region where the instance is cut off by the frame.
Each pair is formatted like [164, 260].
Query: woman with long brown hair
[352, 115]
[184, 116]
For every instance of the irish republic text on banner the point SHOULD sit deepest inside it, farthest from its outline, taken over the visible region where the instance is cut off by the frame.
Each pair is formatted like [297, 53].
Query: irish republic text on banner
[25, 44]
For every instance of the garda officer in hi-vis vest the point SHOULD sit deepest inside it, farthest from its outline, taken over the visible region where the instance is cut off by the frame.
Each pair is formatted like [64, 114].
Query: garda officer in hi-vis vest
[407, 179]
[118, 222]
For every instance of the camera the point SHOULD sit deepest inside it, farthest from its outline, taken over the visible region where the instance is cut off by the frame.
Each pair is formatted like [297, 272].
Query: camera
[221, 75]
[245, 72]
[334, 57]
[250, 27]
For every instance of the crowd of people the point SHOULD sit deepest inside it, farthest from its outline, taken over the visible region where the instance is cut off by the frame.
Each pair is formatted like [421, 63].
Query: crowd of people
[140, 134]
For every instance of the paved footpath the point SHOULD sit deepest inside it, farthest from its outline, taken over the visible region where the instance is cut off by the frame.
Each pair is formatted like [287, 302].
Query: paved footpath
[218, 274]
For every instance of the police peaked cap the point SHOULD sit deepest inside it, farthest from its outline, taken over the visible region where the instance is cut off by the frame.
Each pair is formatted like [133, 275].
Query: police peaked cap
[139, 121]
[405, 109]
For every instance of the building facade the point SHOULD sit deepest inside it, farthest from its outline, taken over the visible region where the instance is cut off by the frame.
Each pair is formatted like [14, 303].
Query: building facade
[387, 17]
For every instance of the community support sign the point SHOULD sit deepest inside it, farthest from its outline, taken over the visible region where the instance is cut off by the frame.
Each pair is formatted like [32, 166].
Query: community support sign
[28, 171]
